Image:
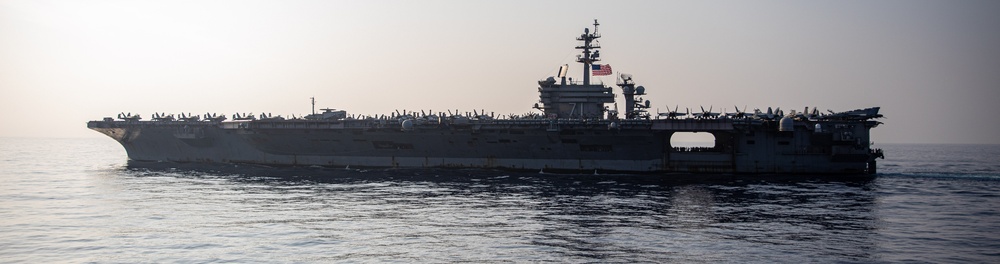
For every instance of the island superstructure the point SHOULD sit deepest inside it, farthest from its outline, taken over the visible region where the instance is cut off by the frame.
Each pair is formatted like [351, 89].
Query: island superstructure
[577, 128]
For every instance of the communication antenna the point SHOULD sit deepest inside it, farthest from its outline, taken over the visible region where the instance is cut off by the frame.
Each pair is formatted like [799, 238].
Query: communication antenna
[314, 104]
[588, 57]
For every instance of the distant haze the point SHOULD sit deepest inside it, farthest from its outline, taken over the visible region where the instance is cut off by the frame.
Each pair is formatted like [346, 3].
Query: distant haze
[933, 66]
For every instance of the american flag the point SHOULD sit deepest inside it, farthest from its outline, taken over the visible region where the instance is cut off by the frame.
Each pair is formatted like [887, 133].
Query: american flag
[601, 70]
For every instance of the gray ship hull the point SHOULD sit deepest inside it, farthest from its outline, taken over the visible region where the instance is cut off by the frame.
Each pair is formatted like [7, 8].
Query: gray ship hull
[640, 146]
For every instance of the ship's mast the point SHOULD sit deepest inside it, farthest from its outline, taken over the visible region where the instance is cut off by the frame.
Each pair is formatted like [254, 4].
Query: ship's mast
[588, 58]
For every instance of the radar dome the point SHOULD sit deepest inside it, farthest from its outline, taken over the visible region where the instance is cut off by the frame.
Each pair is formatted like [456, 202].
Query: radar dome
[407, 125]
[640, 90]
[786, 124]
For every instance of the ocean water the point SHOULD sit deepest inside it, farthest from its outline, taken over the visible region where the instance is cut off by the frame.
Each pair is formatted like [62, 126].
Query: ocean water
[79, 200]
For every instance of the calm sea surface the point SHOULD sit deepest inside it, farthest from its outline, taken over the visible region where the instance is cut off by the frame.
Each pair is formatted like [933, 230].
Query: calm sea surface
[78, 200]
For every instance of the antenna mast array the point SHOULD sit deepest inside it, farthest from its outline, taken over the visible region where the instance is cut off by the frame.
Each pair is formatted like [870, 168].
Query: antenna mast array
[588, 58]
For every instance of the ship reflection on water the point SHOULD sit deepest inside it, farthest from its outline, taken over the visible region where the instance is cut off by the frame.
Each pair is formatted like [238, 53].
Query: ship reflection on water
[482, 215]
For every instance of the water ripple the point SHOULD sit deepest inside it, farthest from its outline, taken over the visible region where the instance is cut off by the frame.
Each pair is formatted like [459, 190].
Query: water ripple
[99, 209]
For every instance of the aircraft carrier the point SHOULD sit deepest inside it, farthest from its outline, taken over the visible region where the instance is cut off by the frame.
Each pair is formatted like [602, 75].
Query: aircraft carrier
[571, 129]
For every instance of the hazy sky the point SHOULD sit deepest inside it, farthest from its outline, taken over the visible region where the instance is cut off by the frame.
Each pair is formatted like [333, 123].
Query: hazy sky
[933, 66]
